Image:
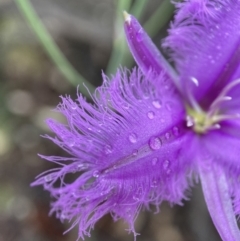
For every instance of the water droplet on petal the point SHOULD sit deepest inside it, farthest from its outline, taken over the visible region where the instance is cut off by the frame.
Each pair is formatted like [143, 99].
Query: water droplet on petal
[63, 216]
[74, 194]
[217, 6]
[151, 115]
[135, 197]
[135, 152]
[145, 96]
[74, 106]
[48, 178]
[166, 164]
[169, 106]
[96, 174]
[139, 35]
[132, 138]
[155, 143]
[157, 104]
[70, 142]
[107, 149]
[154, 161]
[126, 106]
[167, 135]
[154, 182]
[175, 131]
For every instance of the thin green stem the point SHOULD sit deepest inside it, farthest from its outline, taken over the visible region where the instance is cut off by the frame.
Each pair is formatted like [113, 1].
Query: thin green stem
[138, 8]
[159, 18]
[51, 48]
[119, 44]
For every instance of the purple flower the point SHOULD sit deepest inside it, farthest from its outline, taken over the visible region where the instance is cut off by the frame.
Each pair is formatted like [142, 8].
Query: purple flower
[152, 132]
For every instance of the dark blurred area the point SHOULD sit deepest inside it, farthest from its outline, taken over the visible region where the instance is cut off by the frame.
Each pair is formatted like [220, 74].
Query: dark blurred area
[30, 86]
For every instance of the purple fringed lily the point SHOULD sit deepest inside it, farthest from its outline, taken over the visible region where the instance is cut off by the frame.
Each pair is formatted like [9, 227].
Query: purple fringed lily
[151, 132]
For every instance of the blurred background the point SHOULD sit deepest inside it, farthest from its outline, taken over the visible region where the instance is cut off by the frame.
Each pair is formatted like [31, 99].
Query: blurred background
[45, 55]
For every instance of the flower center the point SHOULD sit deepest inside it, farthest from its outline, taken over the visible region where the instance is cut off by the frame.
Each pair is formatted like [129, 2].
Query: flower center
[202, 121]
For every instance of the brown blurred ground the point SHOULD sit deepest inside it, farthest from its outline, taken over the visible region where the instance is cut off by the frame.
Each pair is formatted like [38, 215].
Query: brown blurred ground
[30, 86]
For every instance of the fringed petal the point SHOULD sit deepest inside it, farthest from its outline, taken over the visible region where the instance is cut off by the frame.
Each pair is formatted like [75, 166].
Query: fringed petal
[205, 44]
[126, 151]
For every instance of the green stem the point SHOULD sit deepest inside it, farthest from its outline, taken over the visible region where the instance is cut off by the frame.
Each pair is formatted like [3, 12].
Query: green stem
[51, 48]
[119, 44]
[159, 18]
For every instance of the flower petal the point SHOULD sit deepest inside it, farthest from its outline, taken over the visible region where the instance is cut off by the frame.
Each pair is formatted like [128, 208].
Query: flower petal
[143, 49]
[217, 195]
[126, 151]
[205, 45]
[222, 145]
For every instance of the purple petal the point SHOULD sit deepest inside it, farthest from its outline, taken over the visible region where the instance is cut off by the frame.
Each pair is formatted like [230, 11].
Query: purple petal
[222, 145]
[143, 49]
[205, 44]
[217, 195]
[126, 151]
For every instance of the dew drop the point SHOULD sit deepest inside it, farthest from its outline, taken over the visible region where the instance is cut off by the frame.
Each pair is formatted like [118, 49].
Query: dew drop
[175, 131]
[145, 96]
[151, 115]
[139, 35]
[135, 197]
[155, 143]
[70, 142]
[74, 194]
[132, 138]
[169, 106]
[166, 164]
[217, 6]
[80, 167]
[167, 135]
[154, 182]
[48, 178]
[157, 104]
[74, 106]
[96, 174]
[108, 149]
[126, 106]
[154, 161]
[135, 152]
